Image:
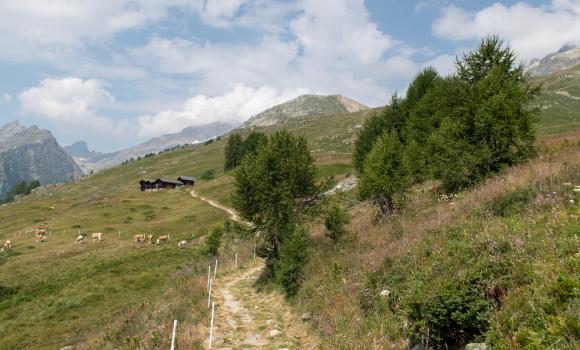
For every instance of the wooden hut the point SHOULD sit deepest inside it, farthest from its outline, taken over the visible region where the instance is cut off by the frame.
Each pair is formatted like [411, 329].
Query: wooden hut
[187, 180]
[167, 183]
[145, 184]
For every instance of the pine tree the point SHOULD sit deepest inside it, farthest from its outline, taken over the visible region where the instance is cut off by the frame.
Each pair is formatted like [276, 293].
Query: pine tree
[384, 174]
[233, 152]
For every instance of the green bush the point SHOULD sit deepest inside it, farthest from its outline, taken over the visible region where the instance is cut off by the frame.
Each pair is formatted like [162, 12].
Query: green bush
[293, 259]
[213, 241]
[511, 203]
[208, 174]
[335, 217]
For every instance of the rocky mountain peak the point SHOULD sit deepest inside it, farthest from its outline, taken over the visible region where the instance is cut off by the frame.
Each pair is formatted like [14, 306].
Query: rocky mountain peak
[566, 57]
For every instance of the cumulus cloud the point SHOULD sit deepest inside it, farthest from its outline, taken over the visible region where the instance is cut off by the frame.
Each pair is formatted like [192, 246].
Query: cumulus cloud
[38, 28]
[74, 104]
[533, 31]
[236, 105]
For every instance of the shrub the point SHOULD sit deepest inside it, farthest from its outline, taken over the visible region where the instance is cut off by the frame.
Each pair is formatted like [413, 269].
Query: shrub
[213, 241]
[335, 217]
[208, 174]
[511, 203]
[293, 259]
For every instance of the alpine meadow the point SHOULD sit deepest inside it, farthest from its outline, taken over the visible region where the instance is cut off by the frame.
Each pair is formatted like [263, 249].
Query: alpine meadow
[290, 175]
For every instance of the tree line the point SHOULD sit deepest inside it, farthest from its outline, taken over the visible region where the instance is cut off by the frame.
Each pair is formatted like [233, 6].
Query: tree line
[457, 129]
[20, 188]
[237, 148]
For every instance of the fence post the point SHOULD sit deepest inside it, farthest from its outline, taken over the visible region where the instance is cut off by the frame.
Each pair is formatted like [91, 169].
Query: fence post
[173, 335]
[209, 294]
[208, 275]
[211, 324]
[215, 268]
[236, 262]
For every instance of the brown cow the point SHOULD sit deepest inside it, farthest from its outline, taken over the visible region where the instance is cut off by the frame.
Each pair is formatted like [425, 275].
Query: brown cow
[139, 238]
[8, 244]
[163, 238]
[150, 238]
[98, 235]
[80, 239]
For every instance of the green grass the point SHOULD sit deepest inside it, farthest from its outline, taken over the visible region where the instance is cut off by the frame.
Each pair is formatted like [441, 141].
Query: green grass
[118, 294]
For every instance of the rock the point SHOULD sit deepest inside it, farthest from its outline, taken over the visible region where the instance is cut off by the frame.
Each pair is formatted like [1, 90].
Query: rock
[269, 322]
[476, 346]
[274, 333]
[385, 293]
[306, 316]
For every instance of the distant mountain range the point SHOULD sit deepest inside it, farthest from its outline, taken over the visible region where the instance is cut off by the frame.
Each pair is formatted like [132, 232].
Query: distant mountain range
[28, 154]
[92, 161]
[567, 57]
[303, 106]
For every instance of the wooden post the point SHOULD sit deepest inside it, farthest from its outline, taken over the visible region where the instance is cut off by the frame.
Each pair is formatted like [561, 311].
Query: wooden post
[119, 234]
[211, 324]
[236, 262]
[254, 251]
[173, 335]
[215, 268]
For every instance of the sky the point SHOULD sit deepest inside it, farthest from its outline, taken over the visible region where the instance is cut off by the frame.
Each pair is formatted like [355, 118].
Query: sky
[116, 73]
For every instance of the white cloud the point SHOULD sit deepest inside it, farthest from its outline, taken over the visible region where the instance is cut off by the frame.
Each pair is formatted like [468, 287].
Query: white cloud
[7, 97]
[39, 28]
[533, 31]
[236, 105]
[74, 104]
[218, 13]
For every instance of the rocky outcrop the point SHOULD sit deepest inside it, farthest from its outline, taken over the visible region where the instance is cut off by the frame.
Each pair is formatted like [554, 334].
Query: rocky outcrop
[567, 57]
[28, 154]
[79, 149]
[303, 106]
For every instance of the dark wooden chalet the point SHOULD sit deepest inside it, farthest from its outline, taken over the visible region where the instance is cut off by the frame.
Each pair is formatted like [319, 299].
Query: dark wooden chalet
[167, 183]
[187, 180]
[146, 184]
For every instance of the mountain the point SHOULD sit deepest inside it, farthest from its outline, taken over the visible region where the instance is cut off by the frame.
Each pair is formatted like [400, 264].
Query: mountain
[28, 154]
[567, 57]
[189, 135]
[303, 106]
[79, 149]
[559, 101]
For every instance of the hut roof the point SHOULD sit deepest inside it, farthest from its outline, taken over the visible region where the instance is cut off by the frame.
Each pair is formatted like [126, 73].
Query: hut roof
[186, 178]
[169, 181]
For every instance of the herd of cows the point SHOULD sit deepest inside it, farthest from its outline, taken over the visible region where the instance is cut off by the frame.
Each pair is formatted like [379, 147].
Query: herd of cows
[98, 236]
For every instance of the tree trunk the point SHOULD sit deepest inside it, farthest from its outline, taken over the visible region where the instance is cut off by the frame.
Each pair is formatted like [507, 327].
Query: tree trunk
[386, 204]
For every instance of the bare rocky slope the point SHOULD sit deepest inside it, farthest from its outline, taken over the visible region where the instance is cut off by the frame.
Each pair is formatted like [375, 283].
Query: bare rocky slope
[28, 154]
[303, 106]
[567, 57]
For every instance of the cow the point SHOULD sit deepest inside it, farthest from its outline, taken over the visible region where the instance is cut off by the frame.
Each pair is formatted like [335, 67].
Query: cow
[139, 238]
[182, 244]
[80, 239]
[8, 244]
[98, 235]
[150, 238]
[40, 235]
[163, 238]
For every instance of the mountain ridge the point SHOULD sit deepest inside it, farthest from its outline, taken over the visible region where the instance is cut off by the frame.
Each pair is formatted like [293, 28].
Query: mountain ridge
[566, 57]
[305, 105]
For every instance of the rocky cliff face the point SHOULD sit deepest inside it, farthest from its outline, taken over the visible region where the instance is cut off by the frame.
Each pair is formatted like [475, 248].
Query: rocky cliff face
[28, 154]
[303, 106]
[567, 57]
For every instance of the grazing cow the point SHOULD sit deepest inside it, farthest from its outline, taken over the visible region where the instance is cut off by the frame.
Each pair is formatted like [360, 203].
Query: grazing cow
[139, 238]
[98, 235]
[40, 235]
[182, 244]
[80, 239]
[8, 244]
[150, 238]
[163, 238]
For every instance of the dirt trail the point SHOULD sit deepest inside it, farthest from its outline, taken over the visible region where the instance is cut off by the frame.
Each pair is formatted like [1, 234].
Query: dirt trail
[245, 319]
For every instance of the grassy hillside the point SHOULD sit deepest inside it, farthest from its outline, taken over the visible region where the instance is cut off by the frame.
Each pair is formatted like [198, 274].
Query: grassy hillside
[560, 101]
[496, 264]
[117, 293]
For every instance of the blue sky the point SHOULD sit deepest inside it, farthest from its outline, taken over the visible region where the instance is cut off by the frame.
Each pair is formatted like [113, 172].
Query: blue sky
[118, 72]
